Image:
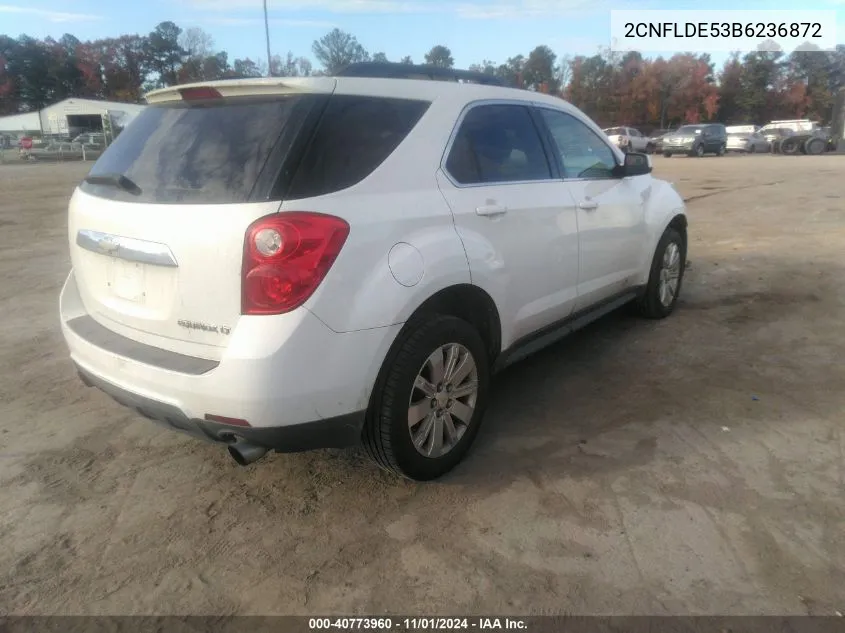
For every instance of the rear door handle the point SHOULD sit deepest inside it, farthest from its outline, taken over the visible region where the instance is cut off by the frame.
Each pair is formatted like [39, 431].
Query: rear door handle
[491, 210]
[588, 205]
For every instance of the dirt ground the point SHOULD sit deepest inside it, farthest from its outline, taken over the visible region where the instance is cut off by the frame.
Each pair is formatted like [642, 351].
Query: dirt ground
[693, 465]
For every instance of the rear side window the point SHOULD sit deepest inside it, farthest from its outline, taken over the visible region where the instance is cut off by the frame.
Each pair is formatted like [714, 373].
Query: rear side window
[498, 144]
[355, 135]
[209, 152]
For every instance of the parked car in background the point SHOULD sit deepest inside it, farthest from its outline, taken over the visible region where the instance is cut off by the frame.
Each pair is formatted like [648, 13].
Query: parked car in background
[55, 151]
[742, 129]
[697, 140]
[656, 139]
[775, 134]
[91, 138]
[290, 307]
[750, 143]
[628, 139]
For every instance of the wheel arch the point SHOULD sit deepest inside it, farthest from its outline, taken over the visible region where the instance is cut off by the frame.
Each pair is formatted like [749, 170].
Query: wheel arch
[464, 301]
[470, 303]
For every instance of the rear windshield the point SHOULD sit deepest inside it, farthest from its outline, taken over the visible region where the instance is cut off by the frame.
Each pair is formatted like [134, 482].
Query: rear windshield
[231, 151]
[615, 131]
[198, 152]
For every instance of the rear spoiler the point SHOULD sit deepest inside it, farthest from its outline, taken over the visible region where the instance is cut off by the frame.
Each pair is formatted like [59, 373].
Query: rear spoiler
[242, 88]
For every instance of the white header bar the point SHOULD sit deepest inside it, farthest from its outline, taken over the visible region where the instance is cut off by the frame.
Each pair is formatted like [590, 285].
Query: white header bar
[723, 31]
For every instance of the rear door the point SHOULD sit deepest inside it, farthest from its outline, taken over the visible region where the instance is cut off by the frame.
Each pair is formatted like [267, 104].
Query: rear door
[157, 230]
[515, 217]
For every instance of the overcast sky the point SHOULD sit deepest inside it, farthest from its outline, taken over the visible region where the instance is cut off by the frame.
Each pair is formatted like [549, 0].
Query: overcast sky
[473, 29]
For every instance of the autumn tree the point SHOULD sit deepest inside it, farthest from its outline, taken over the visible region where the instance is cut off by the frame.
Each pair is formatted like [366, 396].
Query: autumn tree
[812, 71]
[511, 72]
[196, 43]
[9, 96]
[730, 92]
[486, 67]
[761, 71]
[440, 56]
[338, 49]
[290, 66]
[29, 63]
[164, 55]
[538, 72]
[245, 68]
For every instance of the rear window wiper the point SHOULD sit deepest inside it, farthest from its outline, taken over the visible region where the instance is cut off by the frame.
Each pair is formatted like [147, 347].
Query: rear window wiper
[114, 180]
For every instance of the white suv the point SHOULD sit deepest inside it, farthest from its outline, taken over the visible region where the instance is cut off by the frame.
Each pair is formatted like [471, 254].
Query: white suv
[292, 264]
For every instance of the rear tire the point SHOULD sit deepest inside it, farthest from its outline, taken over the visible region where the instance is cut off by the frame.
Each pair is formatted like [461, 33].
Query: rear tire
[667, 154]
[752, 148]
[668, 263]
[404, 392]
[697, 151]
[721, 151]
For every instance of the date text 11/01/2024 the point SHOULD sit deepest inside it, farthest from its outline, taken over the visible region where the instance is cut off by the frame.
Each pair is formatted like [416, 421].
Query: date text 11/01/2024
[415, 624]
[760, 30]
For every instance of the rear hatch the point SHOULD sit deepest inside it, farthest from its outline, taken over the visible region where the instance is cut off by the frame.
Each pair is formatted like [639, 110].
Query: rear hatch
[157, 228]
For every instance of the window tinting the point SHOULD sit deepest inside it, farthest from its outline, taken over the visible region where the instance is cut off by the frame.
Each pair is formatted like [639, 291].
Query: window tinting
[198, 153]
[582, 153]
[354, 137]
[498, 143]
[615, 131]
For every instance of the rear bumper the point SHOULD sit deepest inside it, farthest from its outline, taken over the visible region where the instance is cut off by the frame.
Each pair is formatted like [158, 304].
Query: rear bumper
[337, 432]
[298, 384]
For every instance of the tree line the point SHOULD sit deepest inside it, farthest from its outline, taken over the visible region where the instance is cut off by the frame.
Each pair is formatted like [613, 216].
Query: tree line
[613, 88]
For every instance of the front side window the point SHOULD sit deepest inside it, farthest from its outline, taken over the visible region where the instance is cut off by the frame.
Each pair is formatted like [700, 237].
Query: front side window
[498, 143]
[582, 153]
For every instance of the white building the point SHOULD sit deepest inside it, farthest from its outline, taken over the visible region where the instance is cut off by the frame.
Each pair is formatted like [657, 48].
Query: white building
[69, 117]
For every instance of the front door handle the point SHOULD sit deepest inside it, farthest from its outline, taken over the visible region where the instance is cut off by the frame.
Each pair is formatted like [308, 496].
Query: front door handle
[491, 210]
[588, 205]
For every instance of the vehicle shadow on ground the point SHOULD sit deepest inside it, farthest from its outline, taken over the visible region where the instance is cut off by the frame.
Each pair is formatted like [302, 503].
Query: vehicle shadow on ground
[559, 411]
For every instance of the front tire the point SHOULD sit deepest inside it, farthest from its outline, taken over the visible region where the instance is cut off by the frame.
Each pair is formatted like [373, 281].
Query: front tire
[430, 399]
[666, 276]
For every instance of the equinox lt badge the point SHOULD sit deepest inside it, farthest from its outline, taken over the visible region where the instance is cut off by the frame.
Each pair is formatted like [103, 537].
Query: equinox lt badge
[205, 327]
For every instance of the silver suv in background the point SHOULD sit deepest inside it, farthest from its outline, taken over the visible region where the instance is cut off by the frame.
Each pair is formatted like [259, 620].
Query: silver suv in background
[628, 139]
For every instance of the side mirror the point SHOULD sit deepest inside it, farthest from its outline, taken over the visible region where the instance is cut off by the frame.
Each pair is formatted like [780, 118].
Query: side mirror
[636, 164]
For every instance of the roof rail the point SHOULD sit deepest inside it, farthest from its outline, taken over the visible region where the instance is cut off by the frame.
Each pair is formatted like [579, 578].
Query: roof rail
[392, 70]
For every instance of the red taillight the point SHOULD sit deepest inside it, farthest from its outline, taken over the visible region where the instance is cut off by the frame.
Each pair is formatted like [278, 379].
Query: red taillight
[286, 256]
[202, 92]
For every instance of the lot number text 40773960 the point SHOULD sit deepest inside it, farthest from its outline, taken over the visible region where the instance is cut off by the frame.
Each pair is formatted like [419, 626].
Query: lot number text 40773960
[416, 624]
